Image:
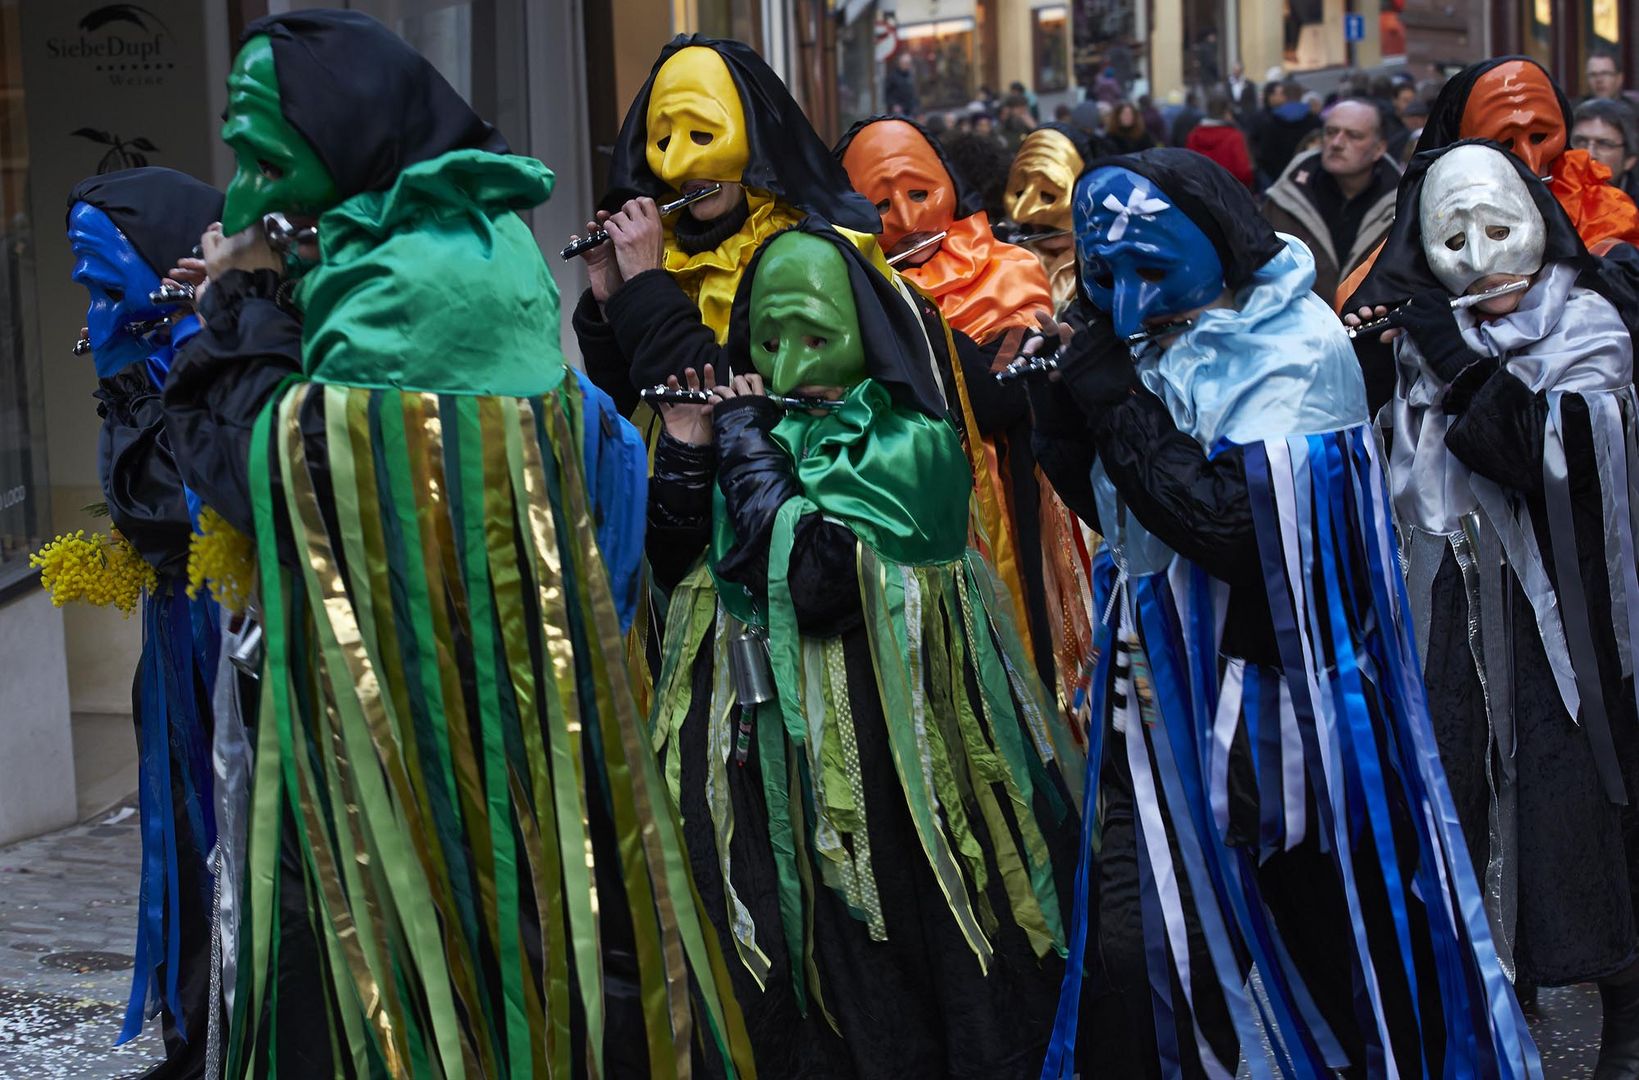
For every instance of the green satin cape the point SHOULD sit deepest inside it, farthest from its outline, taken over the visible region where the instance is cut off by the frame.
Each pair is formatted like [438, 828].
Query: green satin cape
[406, 274]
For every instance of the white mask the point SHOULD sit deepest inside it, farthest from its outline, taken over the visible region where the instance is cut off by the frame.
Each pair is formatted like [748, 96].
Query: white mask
[1478, 219]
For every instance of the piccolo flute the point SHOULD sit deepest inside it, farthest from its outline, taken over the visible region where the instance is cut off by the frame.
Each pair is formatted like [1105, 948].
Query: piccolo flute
[938, 237]
[678, 395]
[598, 236]
[1041, 364]
[1467, 300]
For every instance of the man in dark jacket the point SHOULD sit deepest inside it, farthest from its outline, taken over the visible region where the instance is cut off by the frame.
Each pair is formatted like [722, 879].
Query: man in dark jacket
[899, 85]
[1281, 126]
[1340, 200]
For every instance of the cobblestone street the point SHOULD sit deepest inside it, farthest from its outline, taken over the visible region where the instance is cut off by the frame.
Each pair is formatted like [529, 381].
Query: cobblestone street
[67, 927]
[67, 923]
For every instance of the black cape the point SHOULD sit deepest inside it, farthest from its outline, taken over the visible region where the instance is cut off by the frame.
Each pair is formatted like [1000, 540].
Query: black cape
[897, 351]
[969, 199]
[369, 104]
[161, 211]
[788, 158]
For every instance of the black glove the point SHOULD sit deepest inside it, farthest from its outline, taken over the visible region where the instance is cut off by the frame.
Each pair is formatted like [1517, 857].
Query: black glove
[757, 477]
[1432, 324]
[1097, 366]
[1461, 390]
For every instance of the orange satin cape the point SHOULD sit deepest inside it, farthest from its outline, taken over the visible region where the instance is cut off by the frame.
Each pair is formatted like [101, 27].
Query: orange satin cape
[982, 286]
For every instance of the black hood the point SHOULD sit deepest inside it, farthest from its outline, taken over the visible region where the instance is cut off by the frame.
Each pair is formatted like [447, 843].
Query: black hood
[161, 211]
[1217, 202]
[1402, 271]
[788, 158]
[969, 199]
[369, 104]
[1445, 117]
[896, 344]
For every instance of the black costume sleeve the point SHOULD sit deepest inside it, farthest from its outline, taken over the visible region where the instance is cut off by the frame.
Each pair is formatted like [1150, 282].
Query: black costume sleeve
[139, 473]
[757, 477]
[221, 380]
[1198, 506]
[601, 357]
[996, 407]
[1064, 447]
[659, 330]
[1499, 434]
[679, 508]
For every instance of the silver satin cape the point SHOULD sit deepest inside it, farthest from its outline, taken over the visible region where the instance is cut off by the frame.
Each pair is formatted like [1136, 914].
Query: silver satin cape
[1562, 339]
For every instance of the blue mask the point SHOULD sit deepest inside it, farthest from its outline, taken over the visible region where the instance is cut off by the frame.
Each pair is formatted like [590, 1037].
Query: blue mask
[119, 283]
[1141, 256]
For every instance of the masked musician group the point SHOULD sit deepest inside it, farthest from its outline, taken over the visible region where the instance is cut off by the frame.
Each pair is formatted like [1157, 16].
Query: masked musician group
[893, 652]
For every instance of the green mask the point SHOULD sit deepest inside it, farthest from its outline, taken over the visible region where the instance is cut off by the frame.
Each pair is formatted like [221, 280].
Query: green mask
[276, 169]
[804, 326]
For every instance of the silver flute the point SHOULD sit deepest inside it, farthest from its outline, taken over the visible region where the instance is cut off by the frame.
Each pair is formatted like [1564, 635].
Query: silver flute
[598, 236]
[1467, 300]
[679, 395]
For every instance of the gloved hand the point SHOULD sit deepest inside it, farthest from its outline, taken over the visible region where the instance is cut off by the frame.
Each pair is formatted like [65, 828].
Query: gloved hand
[1432, 324]
[757, 477]
[1097, 366]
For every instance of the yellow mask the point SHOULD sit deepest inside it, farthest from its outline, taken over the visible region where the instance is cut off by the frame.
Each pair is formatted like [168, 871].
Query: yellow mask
[696, 124]
[1041, 180]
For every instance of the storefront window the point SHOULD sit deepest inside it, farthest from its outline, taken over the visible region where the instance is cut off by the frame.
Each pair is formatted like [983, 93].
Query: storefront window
[24, 503]
[1050, 47]
[944, 56]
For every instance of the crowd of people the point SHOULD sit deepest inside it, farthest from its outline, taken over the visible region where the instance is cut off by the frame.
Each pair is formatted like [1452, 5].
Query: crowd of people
[945, 627]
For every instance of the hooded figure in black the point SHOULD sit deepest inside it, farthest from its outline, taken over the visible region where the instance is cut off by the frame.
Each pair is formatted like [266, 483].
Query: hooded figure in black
[1250, 615]
[867, 937]
[1513, 427]
[711, 112]
[127, 229]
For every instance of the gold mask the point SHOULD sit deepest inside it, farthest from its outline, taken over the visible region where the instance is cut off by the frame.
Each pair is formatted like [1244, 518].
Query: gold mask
[1041, 180]
[696, 124]
[1039, 187]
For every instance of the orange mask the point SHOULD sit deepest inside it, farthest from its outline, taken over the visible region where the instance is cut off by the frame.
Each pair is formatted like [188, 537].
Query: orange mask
[1515, 104]
[892, 164]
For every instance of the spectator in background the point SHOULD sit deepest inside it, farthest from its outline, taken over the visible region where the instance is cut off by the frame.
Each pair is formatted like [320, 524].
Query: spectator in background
[1085, 118]
[1016, 121]
[1238, 84]
[1061, 113]
[1152, 119]
[982, 164]
[1021, 90]
[1281, 126]
[1185, 119]
[899, 85]
[1340, 200]
[1605, 79]
[1107, 87]
[1217, 137]
[1405, 94]
[1127, 133]
[1414, 116]
[1609, 132]
[984, 126]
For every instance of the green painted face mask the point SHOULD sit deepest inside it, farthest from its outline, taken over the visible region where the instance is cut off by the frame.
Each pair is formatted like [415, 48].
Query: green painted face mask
[804, 326]
[277, 169]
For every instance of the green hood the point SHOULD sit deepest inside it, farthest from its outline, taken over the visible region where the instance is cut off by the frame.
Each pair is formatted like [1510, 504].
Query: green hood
[436, 284]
